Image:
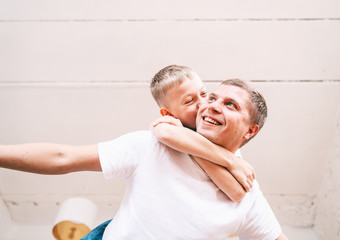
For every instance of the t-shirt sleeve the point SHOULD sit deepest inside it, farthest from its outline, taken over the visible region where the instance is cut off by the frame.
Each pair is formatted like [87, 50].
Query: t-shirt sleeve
[121, 156]
[260, 222]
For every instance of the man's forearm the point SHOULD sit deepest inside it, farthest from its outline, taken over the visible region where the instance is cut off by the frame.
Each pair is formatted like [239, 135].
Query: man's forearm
[45, 158]
[223, 179]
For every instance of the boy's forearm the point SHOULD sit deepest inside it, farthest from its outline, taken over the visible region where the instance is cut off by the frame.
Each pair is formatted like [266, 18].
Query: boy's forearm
[187, 141]
[45, 158]
[223, 179]
[190, 142]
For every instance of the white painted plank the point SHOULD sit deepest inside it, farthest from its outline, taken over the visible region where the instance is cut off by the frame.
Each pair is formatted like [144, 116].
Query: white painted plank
[166, 9]
[34, 231]
[290, 153]
[296, 135]
[78, 114]
[56, 188]
[134, 51]
[5, 217]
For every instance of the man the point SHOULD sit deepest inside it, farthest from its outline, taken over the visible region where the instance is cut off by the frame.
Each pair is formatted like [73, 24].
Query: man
[168, 195]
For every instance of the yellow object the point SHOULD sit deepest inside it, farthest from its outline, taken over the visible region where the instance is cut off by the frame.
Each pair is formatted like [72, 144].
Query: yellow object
[67, 230]
[233, 235]
[75, 219]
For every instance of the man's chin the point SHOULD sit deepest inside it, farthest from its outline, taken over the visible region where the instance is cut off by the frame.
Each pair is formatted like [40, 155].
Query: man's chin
[206, 133]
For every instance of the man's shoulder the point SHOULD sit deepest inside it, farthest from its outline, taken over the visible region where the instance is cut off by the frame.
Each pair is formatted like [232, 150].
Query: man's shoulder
[145, 136]
[141, 137]
[138, 134]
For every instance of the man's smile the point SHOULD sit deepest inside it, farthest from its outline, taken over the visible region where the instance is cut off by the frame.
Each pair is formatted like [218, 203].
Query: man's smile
[211, 120]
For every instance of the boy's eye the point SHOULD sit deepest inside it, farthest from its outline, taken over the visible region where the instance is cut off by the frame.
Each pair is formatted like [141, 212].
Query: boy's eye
[189, 101]
[204, 94]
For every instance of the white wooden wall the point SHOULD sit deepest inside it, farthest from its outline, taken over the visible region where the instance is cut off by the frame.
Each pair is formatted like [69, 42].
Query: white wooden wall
[78, 72]
[327, 221]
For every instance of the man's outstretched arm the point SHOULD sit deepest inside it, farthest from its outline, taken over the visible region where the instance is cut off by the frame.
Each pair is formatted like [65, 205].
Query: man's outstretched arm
[47, 158]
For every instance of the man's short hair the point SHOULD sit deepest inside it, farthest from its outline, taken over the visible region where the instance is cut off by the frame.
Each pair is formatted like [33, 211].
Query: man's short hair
[258, 113]
[167, 78]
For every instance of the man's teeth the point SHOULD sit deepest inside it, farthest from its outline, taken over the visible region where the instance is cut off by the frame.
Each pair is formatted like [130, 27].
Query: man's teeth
[210, 120]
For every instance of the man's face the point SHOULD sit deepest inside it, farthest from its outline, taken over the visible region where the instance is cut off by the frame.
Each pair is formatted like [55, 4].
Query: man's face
[183, 101]
[224, 119]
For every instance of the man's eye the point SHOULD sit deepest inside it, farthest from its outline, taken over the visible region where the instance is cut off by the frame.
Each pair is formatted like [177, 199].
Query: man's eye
[231, 104]
[212, 99]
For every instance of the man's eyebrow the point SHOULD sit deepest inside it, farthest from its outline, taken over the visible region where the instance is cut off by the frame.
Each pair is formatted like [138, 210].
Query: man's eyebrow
[226, 99]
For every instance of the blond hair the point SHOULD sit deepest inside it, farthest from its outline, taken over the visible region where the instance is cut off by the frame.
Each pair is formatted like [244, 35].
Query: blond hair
[167, 78]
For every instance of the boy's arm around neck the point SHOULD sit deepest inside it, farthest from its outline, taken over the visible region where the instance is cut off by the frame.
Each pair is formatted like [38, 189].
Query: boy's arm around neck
[223, 179]
[187, 141]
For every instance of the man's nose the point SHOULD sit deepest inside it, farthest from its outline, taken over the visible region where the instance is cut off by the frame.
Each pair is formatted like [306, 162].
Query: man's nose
[215, 107]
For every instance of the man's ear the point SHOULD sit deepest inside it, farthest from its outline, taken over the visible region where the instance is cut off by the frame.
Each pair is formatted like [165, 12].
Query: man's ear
[253, 129]
[165, 112]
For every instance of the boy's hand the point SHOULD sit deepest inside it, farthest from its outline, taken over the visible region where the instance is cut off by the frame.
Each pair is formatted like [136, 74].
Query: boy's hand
[243, 172]
[169, 120]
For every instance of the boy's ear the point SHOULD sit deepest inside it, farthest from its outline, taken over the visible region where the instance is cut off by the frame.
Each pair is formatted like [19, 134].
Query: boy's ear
[253, 129]
[165, 112]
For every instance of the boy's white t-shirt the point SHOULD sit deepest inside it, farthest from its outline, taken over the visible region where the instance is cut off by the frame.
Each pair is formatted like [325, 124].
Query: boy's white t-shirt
[169, 196]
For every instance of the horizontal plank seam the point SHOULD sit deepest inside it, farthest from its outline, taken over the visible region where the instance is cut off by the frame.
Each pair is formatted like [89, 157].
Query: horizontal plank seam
[143, 82]
[166, 20]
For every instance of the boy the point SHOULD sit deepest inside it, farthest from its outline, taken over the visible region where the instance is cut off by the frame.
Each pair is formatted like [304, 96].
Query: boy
[178, 91]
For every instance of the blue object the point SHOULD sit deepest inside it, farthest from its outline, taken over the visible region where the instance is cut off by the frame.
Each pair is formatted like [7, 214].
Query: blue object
[97, 233]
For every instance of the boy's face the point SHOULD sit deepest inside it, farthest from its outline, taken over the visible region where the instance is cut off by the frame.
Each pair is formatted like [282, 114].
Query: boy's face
[183, 101]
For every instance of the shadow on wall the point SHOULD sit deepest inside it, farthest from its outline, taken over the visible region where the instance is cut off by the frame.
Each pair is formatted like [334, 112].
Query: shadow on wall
[327, 221]
[5, 218]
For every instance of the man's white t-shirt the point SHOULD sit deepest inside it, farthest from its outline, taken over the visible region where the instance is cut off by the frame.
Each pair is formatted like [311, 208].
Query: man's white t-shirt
[169, 196]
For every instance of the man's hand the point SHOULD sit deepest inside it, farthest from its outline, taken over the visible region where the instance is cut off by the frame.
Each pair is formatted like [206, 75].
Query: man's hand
[243, 172]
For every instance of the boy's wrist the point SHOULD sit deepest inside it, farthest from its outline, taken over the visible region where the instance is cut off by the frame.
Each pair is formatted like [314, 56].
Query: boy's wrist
[226, 158]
